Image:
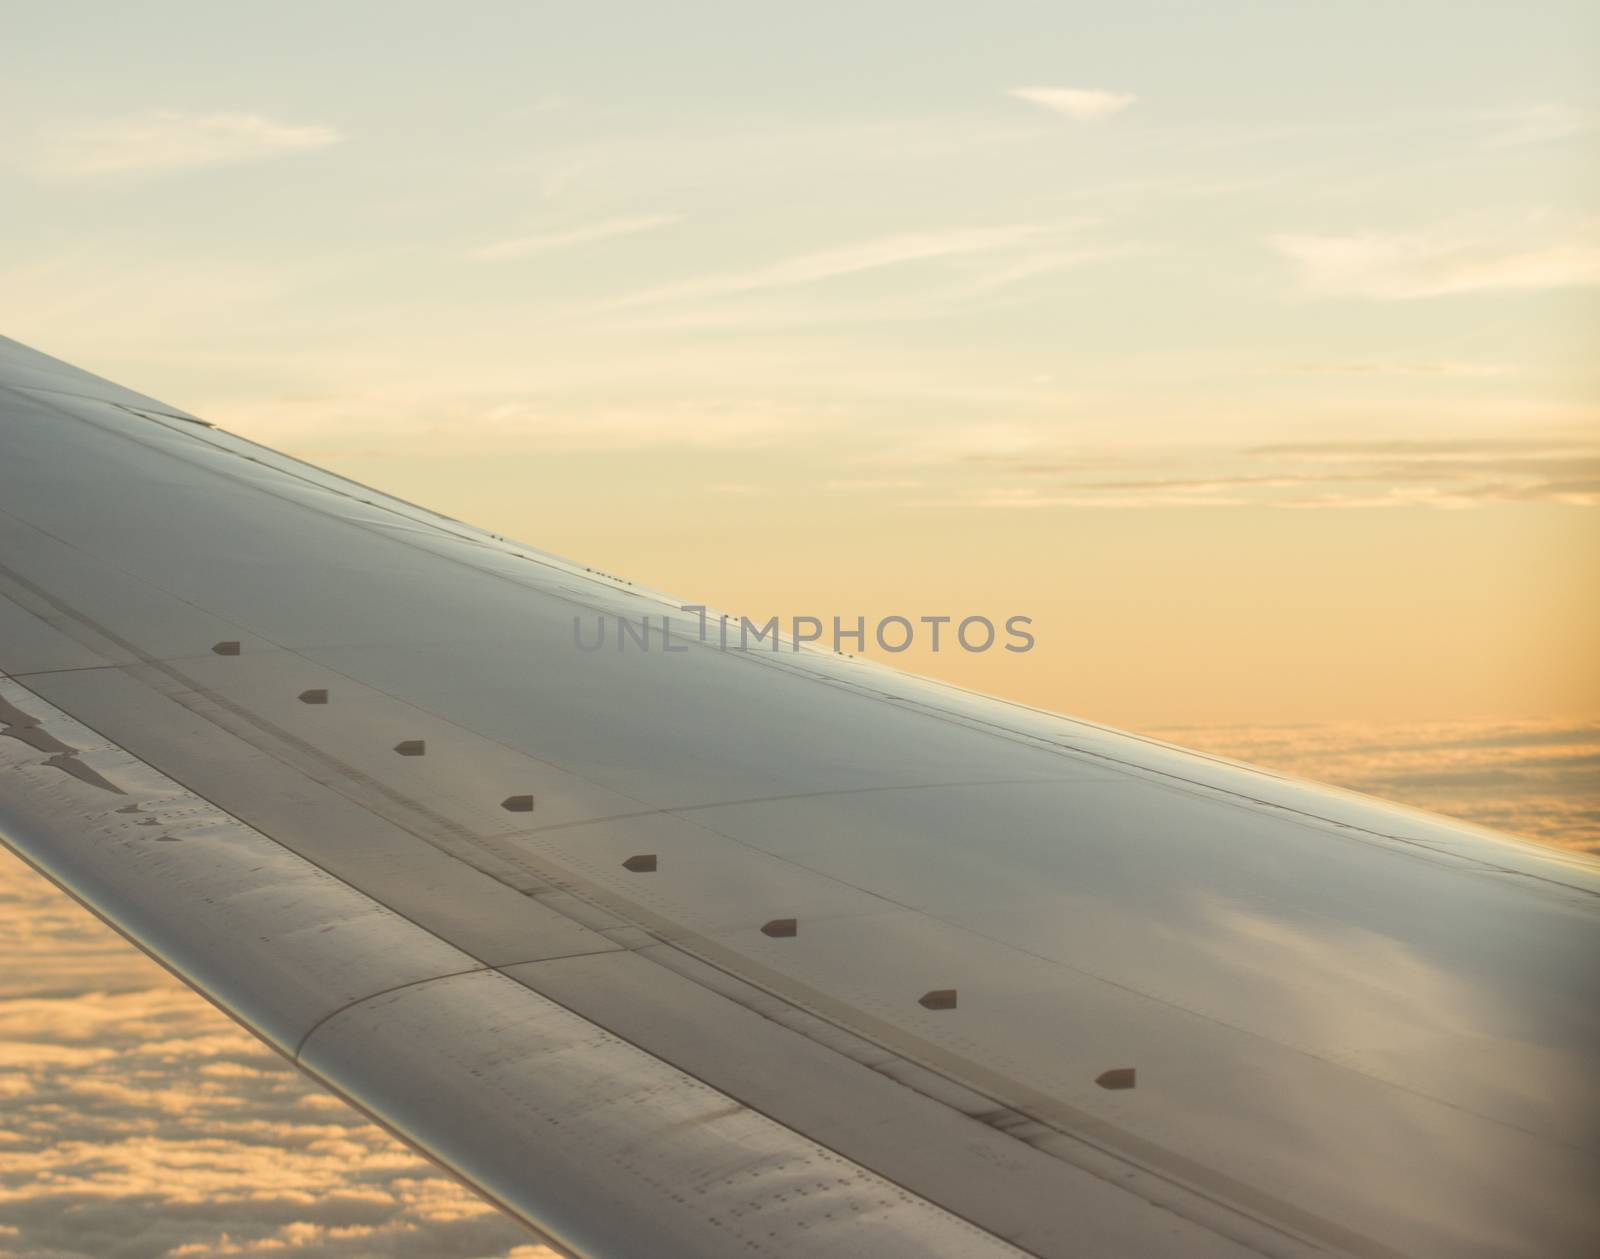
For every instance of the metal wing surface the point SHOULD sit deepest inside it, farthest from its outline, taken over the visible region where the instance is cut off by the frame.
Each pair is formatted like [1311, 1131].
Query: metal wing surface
[782, 953]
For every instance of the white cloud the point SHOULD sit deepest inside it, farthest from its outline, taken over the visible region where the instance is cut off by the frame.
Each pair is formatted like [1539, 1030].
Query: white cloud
[607, 229]
[1033, 265]
[1441, 261]
[869, 485]
[166, 139]
[1043, 467]
[809, 268]
[1388, 367]
[977, 283]
[1084, 104]
[968, 443]
[414, 418]
[1540, 124]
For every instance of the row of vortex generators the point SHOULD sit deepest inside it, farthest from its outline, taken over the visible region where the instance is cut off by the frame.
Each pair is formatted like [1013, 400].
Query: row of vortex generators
[648, 863]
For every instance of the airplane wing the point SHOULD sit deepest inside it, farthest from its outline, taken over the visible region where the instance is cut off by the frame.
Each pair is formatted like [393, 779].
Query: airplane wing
[769, 952]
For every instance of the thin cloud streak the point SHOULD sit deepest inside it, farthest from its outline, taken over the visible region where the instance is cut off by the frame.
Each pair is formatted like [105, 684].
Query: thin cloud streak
[1079, 103]
[1383, 367]
[1033, 265]
[168, 139]
[868, 485]
[1540, 124]
[546, 242]
[828, 264]
[402, 422]
[927, 303]
[1440, 262]
[1020, 469]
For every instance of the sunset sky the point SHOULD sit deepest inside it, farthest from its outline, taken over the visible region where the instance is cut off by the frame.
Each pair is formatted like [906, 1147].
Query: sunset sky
[1248, 349]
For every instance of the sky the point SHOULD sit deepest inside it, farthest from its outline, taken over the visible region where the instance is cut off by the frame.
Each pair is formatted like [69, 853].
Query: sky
[1247, 348]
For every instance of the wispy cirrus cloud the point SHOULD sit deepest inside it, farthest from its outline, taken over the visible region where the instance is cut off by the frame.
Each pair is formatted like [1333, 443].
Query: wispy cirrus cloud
[1389, 367]
[1450, 474]
[1080, 103]
[1540, 124]
[828, 264]
[1013, 468]
[869, 485]
[1443, 261]
[169, 139]
[416, 420]
[986, 278]
[1034, 264]
[546, 242]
